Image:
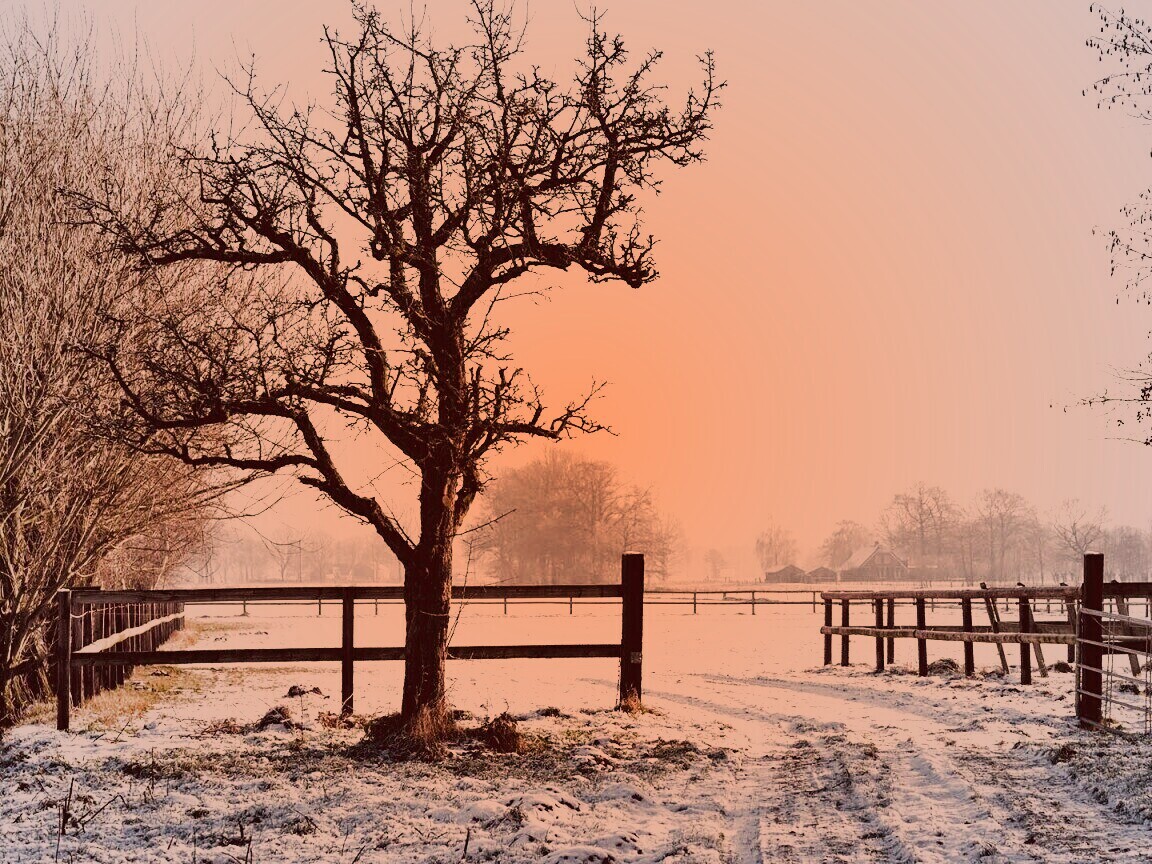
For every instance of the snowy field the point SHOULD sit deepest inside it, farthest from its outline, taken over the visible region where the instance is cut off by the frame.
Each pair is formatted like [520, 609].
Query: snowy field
[751, 752]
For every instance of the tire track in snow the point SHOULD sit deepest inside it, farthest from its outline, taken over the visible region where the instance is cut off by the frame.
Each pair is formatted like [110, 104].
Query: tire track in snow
[886, 781]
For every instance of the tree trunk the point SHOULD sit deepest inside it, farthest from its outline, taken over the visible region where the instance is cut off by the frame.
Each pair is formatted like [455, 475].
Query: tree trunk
[427, 604]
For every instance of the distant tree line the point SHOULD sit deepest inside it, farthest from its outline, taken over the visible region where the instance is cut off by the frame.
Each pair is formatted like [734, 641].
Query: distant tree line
[998, 536]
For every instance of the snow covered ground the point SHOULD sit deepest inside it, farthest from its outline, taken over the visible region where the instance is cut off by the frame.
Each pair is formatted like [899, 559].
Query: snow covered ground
[752, 752]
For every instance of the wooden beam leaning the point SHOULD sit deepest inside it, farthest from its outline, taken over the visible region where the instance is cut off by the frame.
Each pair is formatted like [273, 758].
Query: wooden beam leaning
[994, 622]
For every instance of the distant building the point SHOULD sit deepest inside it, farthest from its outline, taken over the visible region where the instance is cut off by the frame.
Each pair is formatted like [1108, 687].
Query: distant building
[875, 564]
[821, 575]
[790, 573]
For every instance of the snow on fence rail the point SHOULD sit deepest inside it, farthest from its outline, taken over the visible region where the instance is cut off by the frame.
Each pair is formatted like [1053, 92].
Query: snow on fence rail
[109, 652]
[109, 624]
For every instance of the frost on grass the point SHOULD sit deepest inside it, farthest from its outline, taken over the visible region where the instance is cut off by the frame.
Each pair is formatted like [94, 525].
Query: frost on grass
[269, 789]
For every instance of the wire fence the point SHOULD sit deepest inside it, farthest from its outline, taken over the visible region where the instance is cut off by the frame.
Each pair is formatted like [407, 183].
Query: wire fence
[1125, 671]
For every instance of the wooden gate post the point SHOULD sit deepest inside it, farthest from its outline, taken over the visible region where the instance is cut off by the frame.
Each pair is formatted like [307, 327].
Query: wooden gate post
[632, 626]
[921, 644]
[347, 635]
[844, 622]
[966, 619]
[827, 636]
[891, 625]
[63, 659]
[1089, 691]
[879, 607]
[1025, 648]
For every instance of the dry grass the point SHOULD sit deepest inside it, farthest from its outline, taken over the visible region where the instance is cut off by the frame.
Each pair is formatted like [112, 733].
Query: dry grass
[120, 707]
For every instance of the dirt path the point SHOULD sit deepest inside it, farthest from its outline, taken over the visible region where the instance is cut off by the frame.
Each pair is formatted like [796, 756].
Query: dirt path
[936, 772]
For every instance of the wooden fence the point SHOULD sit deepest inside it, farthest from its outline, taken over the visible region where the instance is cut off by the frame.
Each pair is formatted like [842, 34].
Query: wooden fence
[109, 626]
[1027, 631]
[116, 649]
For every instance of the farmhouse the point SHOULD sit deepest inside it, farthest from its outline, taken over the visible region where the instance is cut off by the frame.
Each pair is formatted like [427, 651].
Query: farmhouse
[789, 573]
[875, 564]
[821, 575]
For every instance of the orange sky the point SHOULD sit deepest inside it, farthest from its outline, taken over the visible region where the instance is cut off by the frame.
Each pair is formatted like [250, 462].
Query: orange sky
[885, 272]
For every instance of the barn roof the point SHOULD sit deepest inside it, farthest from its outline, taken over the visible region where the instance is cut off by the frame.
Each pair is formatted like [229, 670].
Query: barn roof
[861, 557]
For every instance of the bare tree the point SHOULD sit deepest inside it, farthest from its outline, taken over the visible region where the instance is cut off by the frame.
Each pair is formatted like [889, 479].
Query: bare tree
[563, 518]
[1002, 516]
[917, 523]
[75, 507]
[1077, 530]
[846, 538]
[1127, 556]
[1124, 46]
[775, 546]
[369, 248]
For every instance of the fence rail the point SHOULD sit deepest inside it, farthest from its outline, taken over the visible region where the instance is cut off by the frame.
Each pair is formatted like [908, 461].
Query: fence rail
[1027, 632]
[109, 653]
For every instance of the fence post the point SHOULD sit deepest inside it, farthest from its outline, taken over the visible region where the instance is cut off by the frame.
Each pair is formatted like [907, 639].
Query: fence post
[346, 642]
[891, 625]
[844, 613]
[969, 654]
[753, 602]
[693, 602]
[1025, 648]
[879, 606]
[1090, 643]
[632, 626]
[827, 636]
[921, 644]
[63, 658]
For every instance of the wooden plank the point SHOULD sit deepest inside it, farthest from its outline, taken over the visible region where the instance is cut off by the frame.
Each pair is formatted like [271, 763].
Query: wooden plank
[1031, 628]
[334, 593]
[214, 655]
[865, 630]
[1053, 592]
[994, 621]
[1127, 589]
[1002, 638]
[323, 655]
[513, 652]
[955, 635]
